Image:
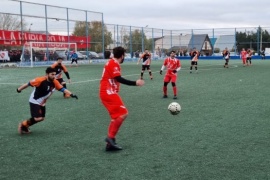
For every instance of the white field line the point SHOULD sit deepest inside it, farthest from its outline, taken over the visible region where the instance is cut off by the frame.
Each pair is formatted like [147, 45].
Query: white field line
[92, 80]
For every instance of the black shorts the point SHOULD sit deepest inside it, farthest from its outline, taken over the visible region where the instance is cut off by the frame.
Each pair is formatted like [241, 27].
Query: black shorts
[61, 81]
[145, 67]
[74, 60]
[37, 110]
[194, 63]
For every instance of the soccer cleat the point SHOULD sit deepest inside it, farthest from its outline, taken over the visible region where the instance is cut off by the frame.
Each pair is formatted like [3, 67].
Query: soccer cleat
[23, 130]
[165, 96]
[174, 97]
[151, 78]
[111, 145]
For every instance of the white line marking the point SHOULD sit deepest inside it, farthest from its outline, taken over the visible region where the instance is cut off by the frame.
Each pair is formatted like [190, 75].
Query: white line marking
[92, 80]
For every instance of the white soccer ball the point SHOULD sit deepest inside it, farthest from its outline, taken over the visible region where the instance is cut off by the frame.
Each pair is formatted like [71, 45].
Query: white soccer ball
[174, 108]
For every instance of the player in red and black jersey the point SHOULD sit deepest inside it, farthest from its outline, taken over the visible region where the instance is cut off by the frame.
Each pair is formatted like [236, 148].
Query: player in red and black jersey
[60, 67]
[226, 56]
[146, 57]
[108, 92]
[43, 89]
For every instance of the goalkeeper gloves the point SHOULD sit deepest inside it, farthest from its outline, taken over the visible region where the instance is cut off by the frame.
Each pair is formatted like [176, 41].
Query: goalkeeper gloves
[18, 91]
[160, 72]
[74, 96]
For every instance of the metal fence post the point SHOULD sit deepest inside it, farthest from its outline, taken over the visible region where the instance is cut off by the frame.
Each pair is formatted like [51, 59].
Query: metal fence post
[142, 40]
[171, 40]
[130, 41]
[153, 42]
[87, 35]
[117, 42]
[103, 39]
[47, 34]
[68, 35]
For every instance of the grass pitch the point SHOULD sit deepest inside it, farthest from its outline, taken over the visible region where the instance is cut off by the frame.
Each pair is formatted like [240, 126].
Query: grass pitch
[222, 131]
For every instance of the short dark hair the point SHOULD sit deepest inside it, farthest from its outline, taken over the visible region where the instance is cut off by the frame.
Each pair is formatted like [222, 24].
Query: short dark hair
[172, 52]
[50, 70]
[118, 52]
[59, 58]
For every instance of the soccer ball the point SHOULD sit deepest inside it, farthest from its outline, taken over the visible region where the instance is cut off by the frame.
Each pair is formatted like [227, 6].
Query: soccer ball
[174, 108]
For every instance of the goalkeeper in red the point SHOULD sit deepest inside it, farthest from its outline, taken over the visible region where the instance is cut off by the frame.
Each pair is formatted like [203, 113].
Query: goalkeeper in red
[173, 65]
[108, 92]
[43, 86]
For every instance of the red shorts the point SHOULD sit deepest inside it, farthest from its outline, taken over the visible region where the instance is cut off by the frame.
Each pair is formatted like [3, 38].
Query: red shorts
[114, 105]
[170, 77]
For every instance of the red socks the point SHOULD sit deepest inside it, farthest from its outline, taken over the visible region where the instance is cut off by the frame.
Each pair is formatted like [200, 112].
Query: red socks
[114, 127]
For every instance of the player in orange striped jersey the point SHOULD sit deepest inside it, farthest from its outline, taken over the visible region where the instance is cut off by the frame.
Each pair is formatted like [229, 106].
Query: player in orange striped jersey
[194, 55]
[43, 89]
[173, 65]
[146, 57]
[60, 67]
[226, 55]
[249, 55]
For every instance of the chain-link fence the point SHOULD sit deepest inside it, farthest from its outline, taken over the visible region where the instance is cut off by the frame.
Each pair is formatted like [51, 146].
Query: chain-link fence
[24, 22]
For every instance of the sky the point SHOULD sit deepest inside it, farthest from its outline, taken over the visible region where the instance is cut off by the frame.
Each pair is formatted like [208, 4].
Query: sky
[175, 14]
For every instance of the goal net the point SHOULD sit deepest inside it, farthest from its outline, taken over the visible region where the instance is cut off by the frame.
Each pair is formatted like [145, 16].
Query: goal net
[45, 53]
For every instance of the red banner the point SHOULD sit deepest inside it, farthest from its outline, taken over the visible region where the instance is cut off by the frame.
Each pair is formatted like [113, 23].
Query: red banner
[18, 38]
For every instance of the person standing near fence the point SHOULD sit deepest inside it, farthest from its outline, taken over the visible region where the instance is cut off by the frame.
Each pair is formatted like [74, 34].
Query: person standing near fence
[60, 67]
[43, 89]
[226, 56]
[146, 57]
[108, 92]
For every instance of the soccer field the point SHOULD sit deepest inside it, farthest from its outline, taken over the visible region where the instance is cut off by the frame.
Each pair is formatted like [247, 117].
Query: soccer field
[222, 132]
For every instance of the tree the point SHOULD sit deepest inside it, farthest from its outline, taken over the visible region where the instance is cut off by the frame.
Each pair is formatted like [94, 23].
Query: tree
[95, 34]
[247, 40]
[9, 22]
[136, 39]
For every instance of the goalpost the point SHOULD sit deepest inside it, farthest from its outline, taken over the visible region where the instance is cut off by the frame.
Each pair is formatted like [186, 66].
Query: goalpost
[45, 53]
